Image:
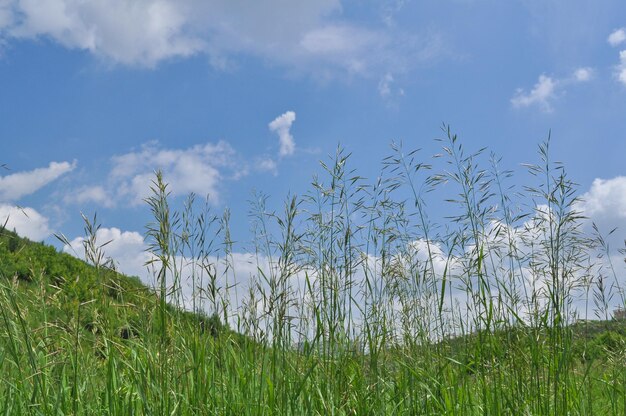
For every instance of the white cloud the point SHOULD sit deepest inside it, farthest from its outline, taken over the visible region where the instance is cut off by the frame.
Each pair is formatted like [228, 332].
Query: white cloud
[25, 221]
[419, 249]
[281, 125]
[309, 36]
[604, 205]
[337, 40]
[352, 48]
[129, 32]
[87, 194]
[547, 89]
[542, 93]
[583, 74]
[17, 185]
[203, 169]
[200, 169]
[606, 198]
[617, 37]
[126, 248]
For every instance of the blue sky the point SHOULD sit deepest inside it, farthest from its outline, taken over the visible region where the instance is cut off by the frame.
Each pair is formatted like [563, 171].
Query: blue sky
[229, 96]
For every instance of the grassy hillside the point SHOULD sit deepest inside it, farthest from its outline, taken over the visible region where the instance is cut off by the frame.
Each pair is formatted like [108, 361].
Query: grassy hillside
[356, 304]
[71, 332]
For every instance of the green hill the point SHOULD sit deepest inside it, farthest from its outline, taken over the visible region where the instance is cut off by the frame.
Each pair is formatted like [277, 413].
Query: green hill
[74, 337]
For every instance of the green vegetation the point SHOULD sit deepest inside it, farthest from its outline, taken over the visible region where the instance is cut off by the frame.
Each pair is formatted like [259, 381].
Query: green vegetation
[357, 304]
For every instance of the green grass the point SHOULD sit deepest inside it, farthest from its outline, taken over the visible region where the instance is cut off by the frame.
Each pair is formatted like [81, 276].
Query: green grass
[359, 304]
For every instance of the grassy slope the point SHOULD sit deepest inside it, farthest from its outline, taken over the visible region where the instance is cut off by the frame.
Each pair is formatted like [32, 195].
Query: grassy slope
[74, 337]
[79, 340]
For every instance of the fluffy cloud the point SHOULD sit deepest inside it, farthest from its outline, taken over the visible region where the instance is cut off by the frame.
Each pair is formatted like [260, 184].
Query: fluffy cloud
[604, 205]
[129, 32]
[547, 89]
[17, 185]
[606, 198]
[583, 74]
[541, 94]
[199, 169]
[354, 49]
[86, 194]
[307, 35]
[203, 169]
[617, 37]
[126, 248]
[25, 221]
[281, 125]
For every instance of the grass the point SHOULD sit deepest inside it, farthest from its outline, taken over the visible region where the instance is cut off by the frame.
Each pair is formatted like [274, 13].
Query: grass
[358, 304]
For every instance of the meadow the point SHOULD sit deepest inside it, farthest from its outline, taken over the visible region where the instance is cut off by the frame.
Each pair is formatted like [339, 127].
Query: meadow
[352, 300]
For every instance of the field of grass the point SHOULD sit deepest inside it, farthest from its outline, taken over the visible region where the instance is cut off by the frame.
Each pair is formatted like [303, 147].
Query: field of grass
[359, 304]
